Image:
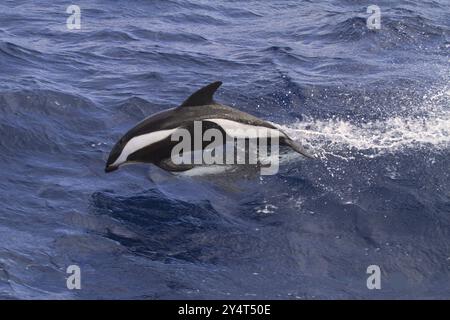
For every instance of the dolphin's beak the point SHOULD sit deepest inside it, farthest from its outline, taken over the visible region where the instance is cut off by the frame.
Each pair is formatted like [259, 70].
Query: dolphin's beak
[111, 168]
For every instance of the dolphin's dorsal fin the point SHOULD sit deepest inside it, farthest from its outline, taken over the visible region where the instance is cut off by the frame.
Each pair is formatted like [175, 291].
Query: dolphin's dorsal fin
[202, 97]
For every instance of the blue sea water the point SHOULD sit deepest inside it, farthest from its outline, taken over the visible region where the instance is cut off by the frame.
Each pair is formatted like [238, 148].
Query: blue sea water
[373, 104]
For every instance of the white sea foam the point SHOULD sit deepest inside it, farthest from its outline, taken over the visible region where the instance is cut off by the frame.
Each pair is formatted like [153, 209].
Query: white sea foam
[425, 126]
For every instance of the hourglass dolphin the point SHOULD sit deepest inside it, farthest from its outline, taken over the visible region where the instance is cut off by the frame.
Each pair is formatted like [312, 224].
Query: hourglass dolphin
[150, 140]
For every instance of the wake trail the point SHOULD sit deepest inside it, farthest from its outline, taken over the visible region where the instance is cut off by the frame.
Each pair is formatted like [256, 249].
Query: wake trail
[425, 126]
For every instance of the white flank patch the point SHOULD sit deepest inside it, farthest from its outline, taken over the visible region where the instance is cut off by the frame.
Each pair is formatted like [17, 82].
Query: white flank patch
[140, 142]
[232, 128]
[241, 130]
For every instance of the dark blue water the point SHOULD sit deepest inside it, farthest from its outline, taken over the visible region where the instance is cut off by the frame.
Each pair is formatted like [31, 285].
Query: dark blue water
[375, 105]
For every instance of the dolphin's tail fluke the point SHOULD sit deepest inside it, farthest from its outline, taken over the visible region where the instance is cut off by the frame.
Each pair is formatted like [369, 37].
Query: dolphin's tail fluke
[298, 148]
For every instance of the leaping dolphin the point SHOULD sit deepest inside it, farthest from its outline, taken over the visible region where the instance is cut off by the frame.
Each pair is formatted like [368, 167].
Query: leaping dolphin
[150, 140]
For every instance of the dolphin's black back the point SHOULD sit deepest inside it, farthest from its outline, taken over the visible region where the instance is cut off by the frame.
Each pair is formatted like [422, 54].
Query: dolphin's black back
[182, 116]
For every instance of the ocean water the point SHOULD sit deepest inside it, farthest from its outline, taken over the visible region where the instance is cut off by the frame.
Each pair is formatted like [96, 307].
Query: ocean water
[373, 104]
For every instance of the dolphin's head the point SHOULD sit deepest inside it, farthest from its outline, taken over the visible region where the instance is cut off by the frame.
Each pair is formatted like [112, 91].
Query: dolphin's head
[115, 159]
[136, 147]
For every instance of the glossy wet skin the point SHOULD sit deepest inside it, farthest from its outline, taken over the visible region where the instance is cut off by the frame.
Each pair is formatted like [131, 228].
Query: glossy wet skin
[174, 118]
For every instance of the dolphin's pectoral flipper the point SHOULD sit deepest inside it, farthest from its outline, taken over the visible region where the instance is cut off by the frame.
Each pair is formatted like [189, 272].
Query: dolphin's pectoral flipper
[202, 97]
[167, 164]
[297, 147]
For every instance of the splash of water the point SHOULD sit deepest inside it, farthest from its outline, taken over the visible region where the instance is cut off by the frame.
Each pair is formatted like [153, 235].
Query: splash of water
[424, 126]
